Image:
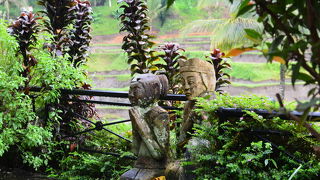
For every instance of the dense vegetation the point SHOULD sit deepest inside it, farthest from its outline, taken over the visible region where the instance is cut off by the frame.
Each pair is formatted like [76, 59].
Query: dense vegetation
[252, 146]
[38, 51]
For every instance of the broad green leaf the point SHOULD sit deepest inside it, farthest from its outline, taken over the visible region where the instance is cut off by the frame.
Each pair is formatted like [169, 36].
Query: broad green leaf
[245, 7]
[253, 35]
[169, 3]
[275, 43]
[295, 73]
[274, 163]
[303, 106]
[304, 77]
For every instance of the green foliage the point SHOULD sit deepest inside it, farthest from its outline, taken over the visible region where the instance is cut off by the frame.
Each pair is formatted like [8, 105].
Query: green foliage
[226, 33]
[19, 124]
[220, 66]
[55, 71]
[243, 102]
[83, 165]
[137, 43]
[232, 151]
[27, 136]
[291, 39]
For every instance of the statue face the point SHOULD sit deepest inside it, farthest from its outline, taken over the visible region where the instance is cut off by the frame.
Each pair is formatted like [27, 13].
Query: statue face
[192, 84]
[137, 93]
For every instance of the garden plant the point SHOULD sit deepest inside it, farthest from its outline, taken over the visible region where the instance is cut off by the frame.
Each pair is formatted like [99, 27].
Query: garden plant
[50, 50]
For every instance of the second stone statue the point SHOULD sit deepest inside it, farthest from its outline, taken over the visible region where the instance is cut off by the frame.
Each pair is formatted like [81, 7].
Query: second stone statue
[150, 127]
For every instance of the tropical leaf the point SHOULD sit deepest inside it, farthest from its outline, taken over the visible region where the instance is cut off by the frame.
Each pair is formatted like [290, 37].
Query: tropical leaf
[231, 34]
[169, 3]
[200, 26]
[253, 35]
[238, 51]
[279, 59]
[201, 4]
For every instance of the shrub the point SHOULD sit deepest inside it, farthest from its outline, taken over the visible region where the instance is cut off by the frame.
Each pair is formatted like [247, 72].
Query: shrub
[245, 148]
[20, 132]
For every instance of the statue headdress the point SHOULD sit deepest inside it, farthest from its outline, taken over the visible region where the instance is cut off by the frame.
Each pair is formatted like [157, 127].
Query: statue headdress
[204, 68]
[156, 86]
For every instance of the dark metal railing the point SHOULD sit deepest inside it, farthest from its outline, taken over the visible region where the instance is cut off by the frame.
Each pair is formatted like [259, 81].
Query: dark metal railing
[238, 112]
[115, 94]
[223, 114]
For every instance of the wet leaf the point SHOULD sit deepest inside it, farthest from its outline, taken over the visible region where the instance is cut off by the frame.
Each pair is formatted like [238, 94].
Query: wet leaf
[238, 51]
[279, 59]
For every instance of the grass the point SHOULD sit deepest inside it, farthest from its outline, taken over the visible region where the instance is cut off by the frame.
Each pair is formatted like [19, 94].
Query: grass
[105, 21]
[107, 62]
[181, 13]
[120, 77]
[248, 71]
[195, 42]
[122, 129]
[109, 116]
[196, 54]
[114, 89]
[105, 45]
[241, 70]
[255, 71]
[235, 84]
[100, 51]
[181, 37]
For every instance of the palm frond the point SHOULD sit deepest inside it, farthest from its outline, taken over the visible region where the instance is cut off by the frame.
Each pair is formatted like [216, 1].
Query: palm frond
[201, 26]
[201, 4]
[155, 7]
[231, 34]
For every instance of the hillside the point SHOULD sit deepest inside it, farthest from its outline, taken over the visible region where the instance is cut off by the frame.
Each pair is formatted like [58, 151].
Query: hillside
[109, 70]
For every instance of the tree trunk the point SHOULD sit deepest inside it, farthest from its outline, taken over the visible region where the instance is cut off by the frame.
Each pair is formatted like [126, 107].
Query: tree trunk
[6, 4]
[282, 80]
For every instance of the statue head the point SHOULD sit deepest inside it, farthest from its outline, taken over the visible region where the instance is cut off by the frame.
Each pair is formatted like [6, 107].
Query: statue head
[198, 77]
[146, 89]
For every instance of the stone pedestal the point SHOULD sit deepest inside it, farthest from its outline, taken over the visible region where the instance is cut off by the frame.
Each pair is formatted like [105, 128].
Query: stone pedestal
[142, 174]
[145, 168]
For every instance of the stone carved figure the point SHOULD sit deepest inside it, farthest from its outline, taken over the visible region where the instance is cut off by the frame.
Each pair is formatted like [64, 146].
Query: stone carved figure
[198, 80]
[150, 127]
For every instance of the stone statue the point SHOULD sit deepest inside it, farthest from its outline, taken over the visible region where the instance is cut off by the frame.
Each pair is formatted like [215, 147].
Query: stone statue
[198, 80]
[150, 127]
